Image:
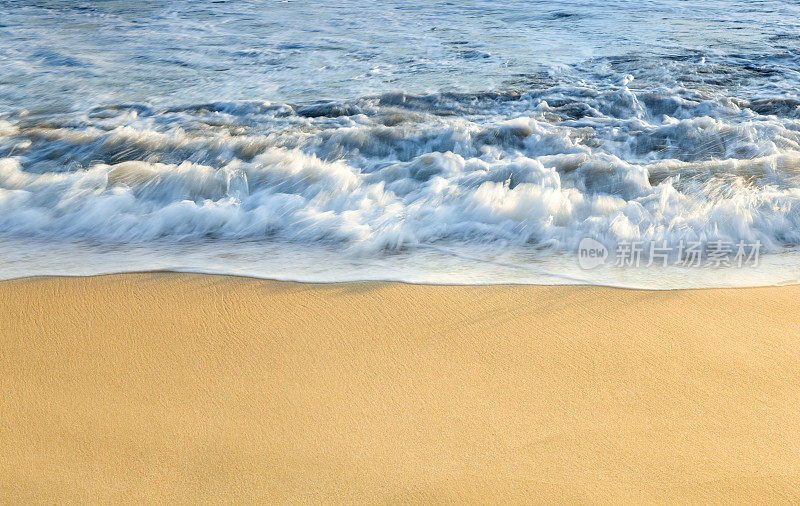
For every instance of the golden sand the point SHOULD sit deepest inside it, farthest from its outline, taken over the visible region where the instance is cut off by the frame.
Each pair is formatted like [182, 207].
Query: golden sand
[179, 387]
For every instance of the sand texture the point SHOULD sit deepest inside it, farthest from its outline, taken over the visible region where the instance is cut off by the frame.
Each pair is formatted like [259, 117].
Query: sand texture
[185, 388]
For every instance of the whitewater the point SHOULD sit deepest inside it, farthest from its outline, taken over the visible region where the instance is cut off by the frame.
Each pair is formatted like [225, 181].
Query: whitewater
[472, 142]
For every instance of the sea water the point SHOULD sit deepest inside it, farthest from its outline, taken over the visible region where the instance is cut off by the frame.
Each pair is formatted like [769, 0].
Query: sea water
[437, 142]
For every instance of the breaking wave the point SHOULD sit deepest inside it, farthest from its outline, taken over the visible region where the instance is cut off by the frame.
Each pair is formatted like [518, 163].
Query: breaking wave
[540, 168]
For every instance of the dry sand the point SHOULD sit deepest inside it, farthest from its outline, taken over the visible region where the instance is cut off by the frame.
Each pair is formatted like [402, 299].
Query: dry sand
[180, 387]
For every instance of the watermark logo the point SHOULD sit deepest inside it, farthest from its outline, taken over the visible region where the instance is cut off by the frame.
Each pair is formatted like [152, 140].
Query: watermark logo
[715, 254]
[591, 253]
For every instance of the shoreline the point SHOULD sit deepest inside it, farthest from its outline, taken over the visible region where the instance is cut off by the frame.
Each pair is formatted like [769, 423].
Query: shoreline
[164, 386]
[394, 281]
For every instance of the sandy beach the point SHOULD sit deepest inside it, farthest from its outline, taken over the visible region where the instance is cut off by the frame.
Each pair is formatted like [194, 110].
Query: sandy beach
[193, 388]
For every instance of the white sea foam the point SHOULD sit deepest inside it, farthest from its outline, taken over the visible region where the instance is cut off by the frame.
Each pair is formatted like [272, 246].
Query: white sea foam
[386, 173]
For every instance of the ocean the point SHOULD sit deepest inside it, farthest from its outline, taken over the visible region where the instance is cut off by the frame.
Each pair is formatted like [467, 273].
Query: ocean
[433, 142]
